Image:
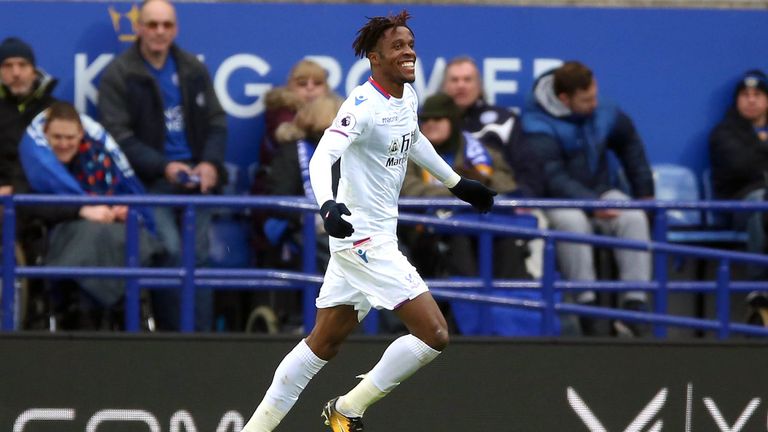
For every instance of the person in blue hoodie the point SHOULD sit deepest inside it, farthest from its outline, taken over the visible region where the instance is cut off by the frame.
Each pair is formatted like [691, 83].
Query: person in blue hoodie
[581, 142]
[64, 152]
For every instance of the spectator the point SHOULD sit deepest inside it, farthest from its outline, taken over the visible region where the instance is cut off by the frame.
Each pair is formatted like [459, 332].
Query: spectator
[66, 153]
[298, 138]
[25, 90]
[306, 81]
[738, 152]
[573, 135]
[24, 93]
[158, 101]
[440, 123]
[499, 128]
[494, 126]
[289, 176]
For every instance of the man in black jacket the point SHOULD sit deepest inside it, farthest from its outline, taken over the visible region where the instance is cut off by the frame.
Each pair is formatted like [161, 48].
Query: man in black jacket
[25, 91]
[738, 152]
[158, 102]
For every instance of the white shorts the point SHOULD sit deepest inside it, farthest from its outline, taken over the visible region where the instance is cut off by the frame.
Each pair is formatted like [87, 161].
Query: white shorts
[369, 276]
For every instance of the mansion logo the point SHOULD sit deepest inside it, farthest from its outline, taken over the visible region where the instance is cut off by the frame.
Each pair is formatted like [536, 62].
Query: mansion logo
[648, 420]
[125, 23]
[62, 418]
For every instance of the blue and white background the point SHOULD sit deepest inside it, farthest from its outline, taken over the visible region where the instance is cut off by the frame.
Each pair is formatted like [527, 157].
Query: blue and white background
[672, 70]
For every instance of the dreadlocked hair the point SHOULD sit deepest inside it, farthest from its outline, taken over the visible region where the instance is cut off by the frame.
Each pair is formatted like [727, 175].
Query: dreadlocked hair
[369, 35]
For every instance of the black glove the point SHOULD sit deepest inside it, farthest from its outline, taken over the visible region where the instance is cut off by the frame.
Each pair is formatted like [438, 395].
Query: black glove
[475, 193]
[335, 226]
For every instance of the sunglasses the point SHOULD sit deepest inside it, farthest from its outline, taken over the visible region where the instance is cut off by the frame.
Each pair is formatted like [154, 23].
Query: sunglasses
[154, 25]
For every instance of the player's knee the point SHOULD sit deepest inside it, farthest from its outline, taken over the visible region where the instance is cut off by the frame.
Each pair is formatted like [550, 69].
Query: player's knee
[325, 349]
[438, 338]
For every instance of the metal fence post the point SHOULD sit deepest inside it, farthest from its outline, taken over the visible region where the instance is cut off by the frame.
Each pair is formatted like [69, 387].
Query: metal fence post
[485, 267]
[132, 294]
[660, 274]
[188, 262]
[309, 265]
[548, 287]
[723, 298]
[9, 263]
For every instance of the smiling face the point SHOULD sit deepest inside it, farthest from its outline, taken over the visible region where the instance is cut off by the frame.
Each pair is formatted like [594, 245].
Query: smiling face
[65, 137]
[393, 63]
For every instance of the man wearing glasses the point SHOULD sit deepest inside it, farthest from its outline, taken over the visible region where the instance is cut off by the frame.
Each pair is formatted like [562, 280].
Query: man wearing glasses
[158, 102]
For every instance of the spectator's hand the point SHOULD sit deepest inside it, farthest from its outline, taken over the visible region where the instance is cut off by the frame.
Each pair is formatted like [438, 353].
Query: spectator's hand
[172, 171]
[6, 190]
[97, 213]
[335, 226]
[120, 212]
[606, 213]
[475, 193]
[208, 176]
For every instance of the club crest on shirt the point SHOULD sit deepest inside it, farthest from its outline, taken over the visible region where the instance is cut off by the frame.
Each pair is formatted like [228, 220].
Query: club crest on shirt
[345, 121]
[394, 147]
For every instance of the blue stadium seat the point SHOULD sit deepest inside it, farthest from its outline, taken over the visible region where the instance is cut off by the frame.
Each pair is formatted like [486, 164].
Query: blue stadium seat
[720, 221]
[229, 244]
[234, 185]
[712, 218]
[678, 183]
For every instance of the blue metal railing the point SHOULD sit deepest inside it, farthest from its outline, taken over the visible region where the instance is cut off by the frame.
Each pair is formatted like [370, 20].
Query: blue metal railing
[187, 277]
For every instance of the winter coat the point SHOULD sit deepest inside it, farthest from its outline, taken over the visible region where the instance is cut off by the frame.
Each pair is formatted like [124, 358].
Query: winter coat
[738, 158]
[499, 128]
[15, 115]
[576, 150]
[501, 180]
[132, 111]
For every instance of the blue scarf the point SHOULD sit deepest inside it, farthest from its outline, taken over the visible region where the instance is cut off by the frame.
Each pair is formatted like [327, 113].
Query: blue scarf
[306, 150]
[274, 228]
[100, 165]
[475, 156]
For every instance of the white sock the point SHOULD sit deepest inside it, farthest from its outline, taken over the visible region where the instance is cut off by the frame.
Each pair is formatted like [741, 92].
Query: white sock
[291, 377]
[402, 358]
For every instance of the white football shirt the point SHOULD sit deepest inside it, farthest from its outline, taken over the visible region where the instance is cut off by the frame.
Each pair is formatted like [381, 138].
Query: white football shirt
[375, 134]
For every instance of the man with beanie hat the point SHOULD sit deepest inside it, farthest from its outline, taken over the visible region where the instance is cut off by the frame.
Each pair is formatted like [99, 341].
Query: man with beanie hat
[738, 145]
[738, 154]
[440, 120]
[25, 91]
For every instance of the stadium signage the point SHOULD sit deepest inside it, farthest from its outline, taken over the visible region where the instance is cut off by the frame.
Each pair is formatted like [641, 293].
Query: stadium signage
[160, 383]
[648, 414]
[180, 420]
[496, 78]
